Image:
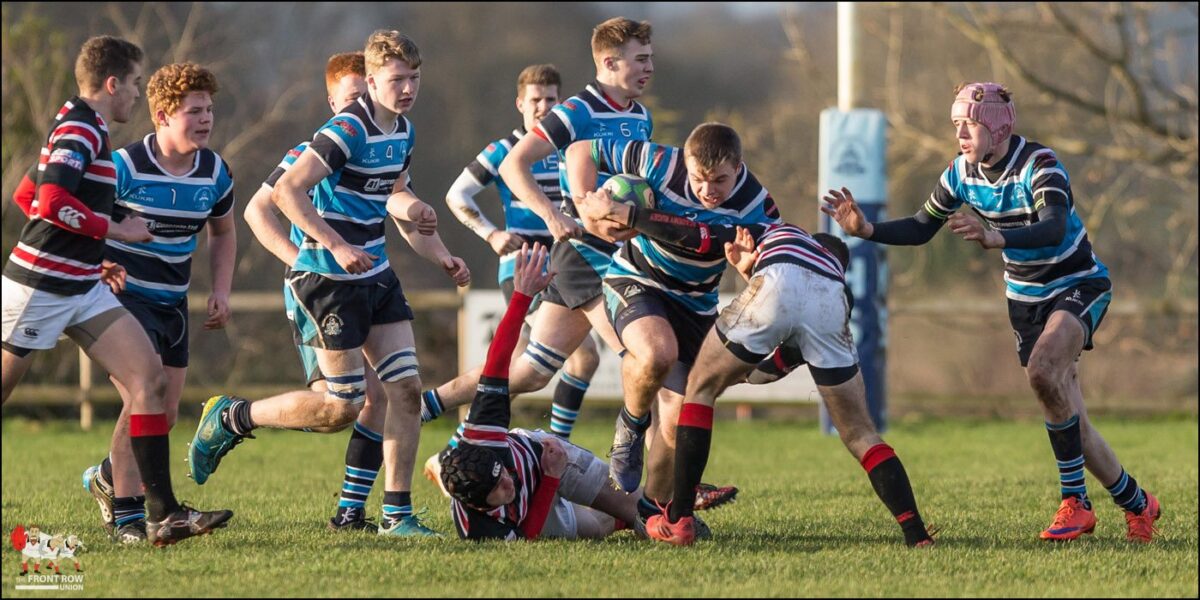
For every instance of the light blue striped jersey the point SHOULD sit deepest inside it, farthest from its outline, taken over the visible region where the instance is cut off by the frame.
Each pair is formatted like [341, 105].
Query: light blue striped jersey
[518, 218]
[687, 276]
[364, 162]
[592, 115]
[1032, 178]
[176, 208]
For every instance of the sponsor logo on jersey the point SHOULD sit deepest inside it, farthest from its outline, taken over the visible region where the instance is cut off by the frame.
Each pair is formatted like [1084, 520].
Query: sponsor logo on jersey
[347, 127]
[70, 217]
[66, 156]
[375, 184]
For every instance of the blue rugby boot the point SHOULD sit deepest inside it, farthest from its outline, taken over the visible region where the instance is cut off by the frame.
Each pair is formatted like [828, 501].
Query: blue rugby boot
[212, 441]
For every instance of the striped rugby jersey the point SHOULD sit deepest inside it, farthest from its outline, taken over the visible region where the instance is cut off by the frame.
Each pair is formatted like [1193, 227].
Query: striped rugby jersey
[684, 274]
[1032, 178]
[487, 426]
[364, 164]
[789, 244]
[77, 157]
[518, 218]
[295, 234]
[176, 208]
[592, 115]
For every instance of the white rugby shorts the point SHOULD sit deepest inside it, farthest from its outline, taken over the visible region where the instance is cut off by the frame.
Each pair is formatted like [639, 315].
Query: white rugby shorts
[34, 319]
[788, 305]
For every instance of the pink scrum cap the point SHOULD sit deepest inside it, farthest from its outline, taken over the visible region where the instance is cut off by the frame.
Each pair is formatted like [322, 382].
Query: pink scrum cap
[989, 104]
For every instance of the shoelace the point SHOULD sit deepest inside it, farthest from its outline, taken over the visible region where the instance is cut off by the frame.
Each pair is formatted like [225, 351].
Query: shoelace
[1063, 516]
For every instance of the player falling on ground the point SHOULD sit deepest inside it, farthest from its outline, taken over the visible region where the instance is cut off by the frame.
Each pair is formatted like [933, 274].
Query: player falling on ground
[571, 305]
[174, 181]
[537, 92]
[660, 296]
[512, 484]
[342, 280]
[1058, 291]
[345, 82]
[52, 279]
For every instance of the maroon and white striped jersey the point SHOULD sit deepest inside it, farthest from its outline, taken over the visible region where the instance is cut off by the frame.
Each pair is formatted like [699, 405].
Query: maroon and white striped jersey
[78, 158]
[790, 244]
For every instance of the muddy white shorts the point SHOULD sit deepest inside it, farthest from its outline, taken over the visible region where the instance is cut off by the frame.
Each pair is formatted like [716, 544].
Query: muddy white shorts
[788, 305]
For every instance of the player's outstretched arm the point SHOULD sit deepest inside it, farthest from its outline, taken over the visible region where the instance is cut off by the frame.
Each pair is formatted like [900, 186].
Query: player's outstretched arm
[290, 196]
[431, 248]
[517, 171]
[260, 214]
[909, 231]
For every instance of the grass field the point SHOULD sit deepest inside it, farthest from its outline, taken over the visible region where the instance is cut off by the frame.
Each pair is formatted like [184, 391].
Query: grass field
[807, 523]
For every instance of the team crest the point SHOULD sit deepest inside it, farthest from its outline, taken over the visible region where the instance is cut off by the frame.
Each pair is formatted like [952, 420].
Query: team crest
[332, 325]
[203, 198]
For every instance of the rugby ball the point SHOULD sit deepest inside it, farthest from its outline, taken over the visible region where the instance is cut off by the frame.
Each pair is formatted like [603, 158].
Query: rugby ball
[630, 189]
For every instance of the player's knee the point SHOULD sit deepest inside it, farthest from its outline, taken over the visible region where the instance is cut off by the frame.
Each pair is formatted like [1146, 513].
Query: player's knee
[544, 361]
[344, 397]
[657, 364]
[1043, 377]
[584, 361]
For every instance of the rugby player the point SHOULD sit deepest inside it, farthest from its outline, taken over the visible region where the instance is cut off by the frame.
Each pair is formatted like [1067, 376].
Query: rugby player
[342, 280]
[173, 180]
[52, 279]
[779, 322]
[517, 484]
[1058, 291]
[570, 307]
[662, 297]
[345, 82]
[537, 92]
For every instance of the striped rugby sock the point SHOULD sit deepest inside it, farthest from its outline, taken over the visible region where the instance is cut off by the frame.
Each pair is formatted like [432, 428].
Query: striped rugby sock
[364, 456]
[1068, 451]
[128, 509]
[396, 506]
[568, 397]
[1128, 494]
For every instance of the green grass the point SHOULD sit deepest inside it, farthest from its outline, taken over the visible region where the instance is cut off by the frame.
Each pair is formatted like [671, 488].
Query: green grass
[807, 523]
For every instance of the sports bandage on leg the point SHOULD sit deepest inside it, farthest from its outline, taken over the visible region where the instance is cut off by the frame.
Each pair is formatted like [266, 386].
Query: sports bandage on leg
[348, 387]
[544, 359]
[398, 365]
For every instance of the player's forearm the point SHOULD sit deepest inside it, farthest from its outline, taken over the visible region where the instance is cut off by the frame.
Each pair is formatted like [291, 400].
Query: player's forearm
[400, 203]
[266, 227]
[582, 171]
[461, 200]
[1049, 231]
[508, 333]
[516, 171]
[681, 231]
[429, 247]
[909, 231]
[298, 208]
[222, 248]
[539, 507]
